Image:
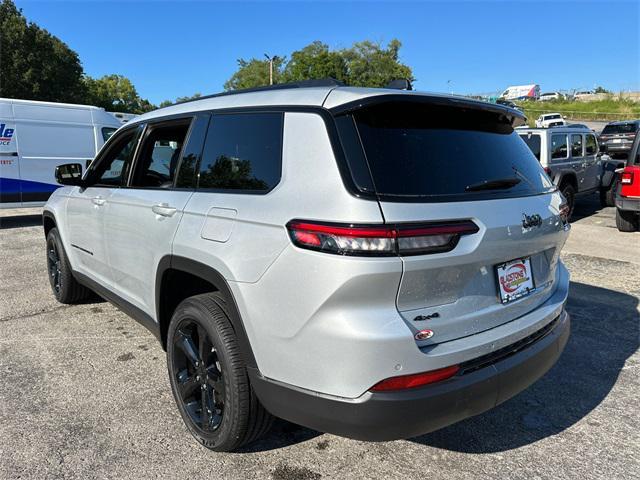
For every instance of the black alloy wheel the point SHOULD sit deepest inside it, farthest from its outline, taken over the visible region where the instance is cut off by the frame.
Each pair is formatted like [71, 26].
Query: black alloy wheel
[199, 377]
[53, 266]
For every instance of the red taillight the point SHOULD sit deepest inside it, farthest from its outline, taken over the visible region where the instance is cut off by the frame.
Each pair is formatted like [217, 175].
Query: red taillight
[404, 382]
[626, 178]
[564, 212]
[379, 240]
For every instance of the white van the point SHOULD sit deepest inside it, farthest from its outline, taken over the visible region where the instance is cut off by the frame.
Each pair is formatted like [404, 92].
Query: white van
[36, 137]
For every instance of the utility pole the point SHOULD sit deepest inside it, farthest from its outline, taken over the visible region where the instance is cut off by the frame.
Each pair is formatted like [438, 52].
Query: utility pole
[271, 60]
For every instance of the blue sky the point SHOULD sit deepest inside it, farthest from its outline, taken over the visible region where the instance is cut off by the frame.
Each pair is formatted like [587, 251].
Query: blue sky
[175, 48]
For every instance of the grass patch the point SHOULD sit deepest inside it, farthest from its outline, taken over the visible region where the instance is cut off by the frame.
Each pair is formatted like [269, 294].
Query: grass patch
[609, 109]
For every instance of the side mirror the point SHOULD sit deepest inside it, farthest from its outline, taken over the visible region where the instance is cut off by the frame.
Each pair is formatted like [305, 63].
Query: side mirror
[69, 174]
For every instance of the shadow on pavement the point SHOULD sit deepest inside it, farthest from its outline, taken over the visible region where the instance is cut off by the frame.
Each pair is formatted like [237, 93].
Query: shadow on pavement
[20, 221]
[586, 207]
[605, 332]
[282, 434]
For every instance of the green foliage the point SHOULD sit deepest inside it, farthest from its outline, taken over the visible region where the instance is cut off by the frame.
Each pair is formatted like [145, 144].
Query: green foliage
[370, 65]
[601, 89]
[365, 64]
[115, 93]
[315, 61]
[255, 73]
[166, 103]
[34, 64]
[609, 109]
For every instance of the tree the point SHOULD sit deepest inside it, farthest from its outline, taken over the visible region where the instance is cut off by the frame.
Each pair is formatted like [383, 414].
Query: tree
[365, 64]
[315, 61]
[370, 65]
[115, 93]
[601, 89]
[255, 73]
[166, 103]
[34, 64]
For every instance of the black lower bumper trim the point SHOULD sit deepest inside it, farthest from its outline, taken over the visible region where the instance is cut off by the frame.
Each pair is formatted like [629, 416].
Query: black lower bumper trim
[383, 416]
[628, 204]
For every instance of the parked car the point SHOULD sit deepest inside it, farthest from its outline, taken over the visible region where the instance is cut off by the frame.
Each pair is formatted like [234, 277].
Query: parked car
[627, 198]
[36, 137]
[619, 137]
[544, 97]
[550, 120]
[301, 256]
[570, 156]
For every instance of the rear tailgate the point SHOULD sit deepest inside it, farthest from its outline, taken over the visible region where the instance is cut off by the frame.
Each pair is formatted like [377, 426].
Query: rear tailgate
[457, 294]
[445, 163]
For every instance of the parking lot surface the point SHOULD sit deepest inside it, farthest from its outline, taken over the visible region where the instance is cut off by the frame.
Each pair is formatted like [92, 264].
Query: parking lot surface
[84, 391]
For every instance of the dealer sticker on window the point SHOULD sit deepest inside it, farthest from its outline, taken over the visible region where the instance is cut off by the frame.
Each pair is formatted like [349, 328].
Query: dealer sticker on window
[515, 279]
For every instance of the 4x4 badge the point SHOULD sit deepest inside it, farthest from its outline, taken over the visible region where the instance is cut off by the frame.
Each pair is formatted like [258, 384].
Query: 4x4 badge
[530, 221]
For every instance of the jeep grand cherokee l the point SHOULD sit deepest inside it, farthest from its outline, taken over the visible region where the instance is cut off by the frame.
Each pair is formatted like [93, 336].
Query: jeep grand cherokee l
[367, 262]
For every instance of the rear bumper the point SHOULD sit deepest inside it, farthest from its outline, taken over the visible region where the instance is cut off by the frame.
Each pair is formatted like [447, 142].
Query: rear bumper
[627, 203]
[404, 414]
[618, 147]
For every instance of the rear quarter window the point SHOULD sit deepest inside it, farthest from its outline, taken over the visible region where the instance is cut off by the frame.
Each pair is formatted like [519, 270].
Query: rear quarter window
[242, 152]
[533, 141]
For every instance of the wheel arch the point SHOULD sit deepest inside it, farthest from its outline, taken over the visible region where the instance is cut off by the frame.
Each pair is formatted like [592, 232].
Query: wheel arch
[178, 278]
[569, 178]
[48, 222]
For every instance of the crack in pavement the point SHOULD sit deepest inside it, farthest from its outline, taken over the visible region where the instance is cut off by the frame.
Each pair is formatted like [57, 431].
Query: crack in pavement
[35, 314]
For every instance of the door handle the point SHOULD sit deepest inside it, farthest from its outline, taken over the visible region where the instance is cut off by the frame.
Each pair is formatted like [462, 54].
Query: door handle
[164, 210]
[98, 201]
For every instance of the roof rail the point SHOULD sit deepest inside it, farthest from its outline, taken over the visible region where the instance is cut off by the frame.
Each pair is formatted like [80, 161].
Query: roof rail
[320, 82]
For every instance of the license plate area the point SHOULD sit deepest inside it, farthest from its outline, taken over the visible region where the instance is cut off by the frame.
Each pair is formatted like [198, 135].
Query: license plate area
[515, 279]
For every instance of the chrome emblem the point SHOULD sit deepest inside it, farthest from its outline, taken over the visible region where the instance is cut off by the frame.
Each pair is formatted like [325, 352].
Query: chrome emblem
[530, 221]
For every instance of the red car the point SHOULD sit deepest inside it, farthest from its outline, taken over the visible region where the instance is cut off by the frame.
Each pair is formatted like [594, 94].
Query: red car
[628, 191]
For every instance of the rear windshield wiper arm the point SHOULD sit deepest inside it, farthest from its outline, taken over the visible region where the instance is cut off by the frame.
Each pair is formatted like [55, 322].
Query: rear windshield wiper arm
[498, 184]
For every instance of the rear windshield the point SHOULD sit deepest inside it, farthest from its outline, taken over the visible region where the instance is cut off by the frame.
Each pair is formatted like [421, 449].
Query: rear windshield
[620, 128]
[533, 142]
[438, 152]
[551, 117]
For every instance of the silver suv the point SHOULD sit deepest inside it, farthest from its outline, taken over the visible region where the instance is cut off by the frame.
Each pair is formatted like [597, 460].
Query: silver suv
[571, 157]
[372, 263]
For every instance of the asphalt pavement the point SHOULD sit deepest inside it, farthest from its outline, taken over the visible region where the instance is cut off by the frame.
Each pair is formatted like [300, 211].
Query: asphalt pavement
[84, 390]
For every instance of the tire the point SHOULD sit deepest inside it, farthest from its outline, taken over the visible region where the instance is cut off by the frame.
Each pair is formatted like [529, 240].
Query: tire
[607, 198]
[218, 382]
[627, 221]
[65, 288]
[569, 193]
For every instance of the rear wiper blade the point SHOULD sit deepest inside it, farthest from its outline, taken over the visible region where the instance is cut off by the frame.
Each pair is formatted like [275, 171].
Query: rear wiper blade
[498, 184]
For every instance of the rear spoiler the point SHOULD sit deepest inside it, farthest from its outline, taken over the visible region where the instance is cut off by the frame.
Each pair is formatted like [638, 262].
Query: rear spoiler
[513, 116]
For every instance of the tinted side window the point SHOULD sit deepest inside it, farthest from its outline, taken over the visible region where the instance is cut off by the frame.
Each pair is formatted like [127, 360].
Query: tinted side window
[112, 169]
[158, 159]
[192, 152]
[107, 132]
[242, 152]
[576, 145]
[533, 142]
[559, 146]
[592, 146]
